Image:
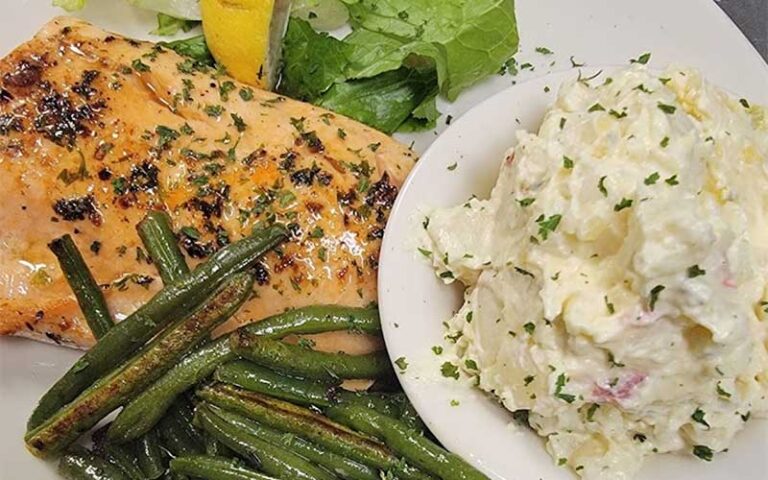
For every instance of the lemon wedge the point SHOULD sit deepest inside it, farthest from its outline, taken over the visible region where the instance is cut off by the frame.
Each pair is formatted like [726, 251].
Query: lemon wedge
[245, 36]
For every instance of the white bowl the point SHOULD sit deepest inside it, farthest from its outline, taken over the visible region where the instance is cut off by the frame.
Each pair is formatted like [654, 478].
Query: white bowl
[414, 303]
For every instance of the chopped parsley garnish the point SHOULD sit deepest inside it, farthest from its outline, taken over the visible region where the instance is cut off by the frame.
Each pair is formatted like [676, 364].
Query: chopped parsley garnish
[601, 186]
[425, 252]
[468, 317]
[722, 392]
[317, 233]
[652, 178]
[140, 66]
[446, 275]
[744, 103]
[450, 370]
[437, 350]
[562, 122]
[526, 201]
[213, 110]
[341, 133]
[664, 81]
[225, 89]
[559, 384]
[695, 271]
[165, 135]
[668, 109]
[591, 411]
[544, 51]
[698, 417]
[246, 94]
[567, 162]
[596, 108]
[609, 305]
[561, 461]
[452, 166]
[239, 122]
[613, 362]
[470, 364]
[664, 142]
[120, 185]
[574, 63]
[548, 224]
[655, 291]
[401, 363]
[529, 328]
[455, 403]
[672, 180]
[642, 88]
[528, 379]
[624, 203]
[522, 271]
[616, 114]
[642, 59]
[703, 452]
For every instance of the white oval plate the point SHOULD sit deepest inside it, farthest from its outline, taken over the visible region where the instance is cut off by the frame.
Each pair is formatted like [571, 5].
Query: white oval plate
[414, 303]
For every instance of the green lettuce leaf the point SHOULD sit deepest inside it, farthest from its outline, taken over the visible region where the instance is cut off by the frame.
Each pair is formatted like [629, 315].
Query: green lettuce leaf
[423, 117]
[312, 61]
[384, 101]
[69, 5]
[168, 25]
[478, 35]
[194, 48]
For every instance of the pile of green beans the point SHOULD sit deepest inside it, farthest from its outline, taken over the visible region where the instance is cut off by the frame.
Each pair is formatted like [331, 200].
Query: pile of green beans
[274, 411]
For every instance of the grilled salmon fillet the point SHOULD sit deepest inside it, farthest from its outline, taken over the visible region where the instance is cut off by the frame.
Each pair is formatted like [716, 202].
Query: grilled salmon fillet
[96, 129]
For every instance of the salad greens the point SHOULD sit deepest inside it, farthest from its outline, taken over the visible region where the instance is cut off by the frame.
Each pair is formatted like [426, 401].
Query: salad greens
[399, 56]
[168, 25]
[388, 72]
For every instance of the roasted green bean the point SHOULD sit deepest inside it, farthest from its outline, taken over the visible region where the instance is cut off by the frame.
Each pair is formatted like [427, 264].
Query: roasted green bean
[215, 468]
[160, 242]
[310, 425]
[343, 467]
[146, 410]
[299, 361]
[83, 465]
[150, 455]
[133, 332]
[318, 319]
[124, 382]
[270, 458]
[415, 448]
[87, 291]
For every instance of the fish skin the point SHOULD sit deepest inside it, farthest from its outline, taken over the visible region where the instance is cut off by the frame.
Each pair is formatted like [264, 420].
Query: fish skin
[84, 150]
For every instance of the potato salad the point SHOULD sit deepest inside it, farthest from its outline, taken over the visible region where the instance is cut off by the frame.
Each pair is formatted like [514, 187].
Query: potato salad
[616, 276]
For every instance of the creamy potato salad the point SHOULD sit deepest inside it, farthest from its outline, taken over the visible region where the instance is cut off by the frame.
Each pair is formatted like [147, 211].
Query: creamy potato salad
[616, 277]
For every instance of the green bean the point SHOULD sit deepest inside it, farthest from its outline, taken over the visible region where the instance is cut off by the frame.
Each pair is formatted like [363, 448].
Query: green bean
[148, 408]
[179, 436]
[87, 291]
[160, 242]
[82, 465]
[126, 381]
[141, 414]
[150, 455]
[133, 332]
[309, 425]
[270, 459]
[318, 319]
[256, 378]
[405, 442]
[215, 468]
[299, 361]
[341, 466]
[125, 460]
[215, 448]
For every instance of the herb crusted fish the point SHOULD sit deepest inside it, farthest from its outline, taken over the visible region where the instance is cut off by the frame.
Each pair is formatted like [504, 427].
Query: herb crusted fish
[96, 129]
